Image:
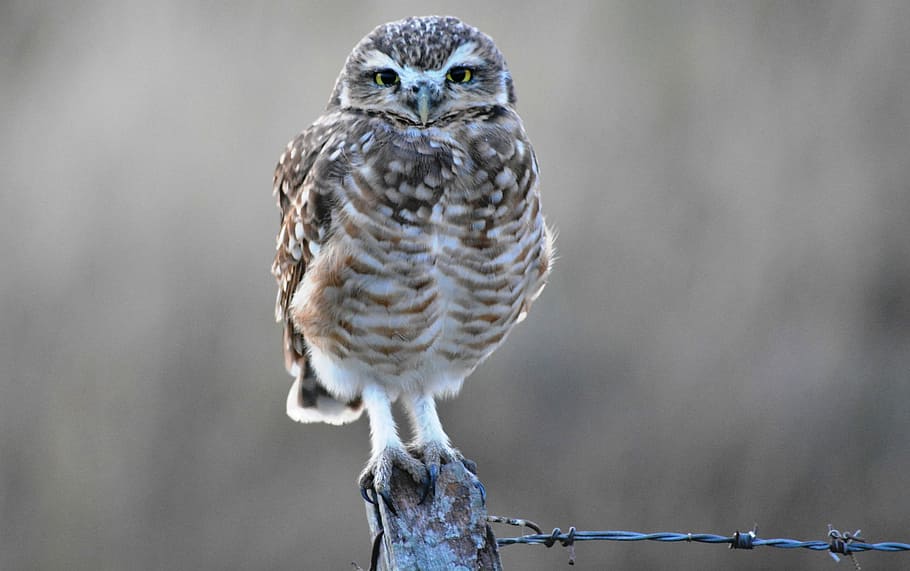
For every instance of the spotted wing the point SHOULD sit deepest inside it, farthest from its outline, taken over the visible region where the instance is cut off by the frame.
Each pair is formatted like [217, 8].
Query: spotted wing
[305, 219]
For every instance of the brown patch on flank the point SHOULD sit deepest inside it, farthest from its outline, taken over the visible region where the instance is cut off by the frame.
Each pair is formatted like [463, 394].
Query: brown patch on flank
[315, 316]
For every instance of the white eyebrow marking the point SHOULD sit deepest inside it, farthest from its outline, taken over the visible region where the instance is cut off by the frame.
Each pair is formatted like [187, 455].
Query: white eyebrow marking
[464, 55]
[375, 59]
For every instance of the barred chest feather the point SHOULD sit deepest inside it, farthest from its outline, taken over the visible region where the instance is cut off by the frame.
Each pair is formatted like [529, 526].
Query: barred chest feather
[435, 250]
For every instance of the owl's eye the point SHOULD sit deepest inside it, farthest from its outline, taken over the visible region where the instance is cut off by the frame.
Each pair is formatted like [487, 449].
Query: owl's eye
[460, 75]
[385, 77]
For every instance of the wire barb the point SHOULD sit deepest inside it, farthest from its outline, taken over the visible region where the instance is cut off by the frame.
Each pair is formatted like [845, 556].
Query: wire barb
[569, 544]
[840, 544]
[744, 540]
[567, 540]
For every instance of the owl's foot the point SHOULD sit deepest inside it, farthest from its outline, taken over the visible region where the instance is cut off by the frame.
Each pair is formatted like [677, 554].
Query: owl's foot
[437, 454]
[377, 475]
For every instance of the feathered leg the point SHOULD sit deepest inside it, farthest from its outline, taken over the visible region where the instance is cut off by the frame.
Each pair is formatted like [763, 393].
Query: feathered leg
[388, 450]
[431, 443]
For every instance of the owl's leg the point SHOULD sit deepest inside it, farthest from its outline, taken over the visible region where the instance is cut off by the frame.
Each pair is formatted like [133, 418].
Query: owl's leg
[431, 443]
[388, 450]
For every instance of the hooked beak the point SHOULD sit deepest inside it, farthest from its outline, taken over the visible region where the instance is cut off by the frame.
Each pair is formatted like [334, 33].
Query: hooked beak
[423, 102]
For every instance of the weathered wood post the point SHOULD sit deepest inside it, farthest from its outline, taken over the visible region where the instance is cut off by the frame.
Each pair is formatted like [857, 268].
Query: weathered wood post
[448, 531]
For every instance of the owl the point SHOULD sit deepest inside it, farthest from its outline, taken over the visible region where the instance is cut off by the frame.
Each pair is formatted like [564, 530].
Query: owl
[411, 240]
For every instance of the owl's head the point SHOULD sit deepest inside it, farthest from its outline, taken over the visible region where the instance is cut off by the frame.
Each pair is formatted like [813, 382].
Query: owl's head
[424, 71]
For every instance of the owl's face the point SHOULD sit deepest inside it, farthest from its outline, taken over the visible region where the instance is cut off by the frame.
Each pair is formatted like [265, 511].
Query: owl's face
[424, 71]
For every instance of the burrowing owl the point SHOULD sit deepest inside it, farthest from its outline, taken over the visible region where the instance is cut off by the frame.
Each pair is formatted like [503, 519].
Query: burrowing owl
[411, 238]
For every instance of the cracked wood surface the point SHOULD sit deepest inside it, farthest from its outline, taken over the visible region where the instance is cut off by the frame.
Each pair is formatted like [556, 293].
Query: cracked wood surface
[448, 531]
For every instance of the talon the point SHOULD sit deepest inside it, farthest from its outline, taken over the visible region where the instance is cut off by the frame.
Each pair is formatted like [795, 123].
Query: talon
[387, 500]
[377, 475]
[483, 492]
[471, 466]
[430, 487]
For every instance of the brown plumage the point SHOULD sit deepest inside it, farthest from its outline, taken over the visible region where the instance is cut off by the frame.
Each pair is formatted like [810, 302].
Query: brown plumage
[411, 237]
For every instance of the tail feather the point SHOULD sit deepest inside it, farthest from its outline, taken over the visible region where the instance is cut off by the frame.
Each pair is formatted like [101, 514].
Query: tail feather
[308, 400]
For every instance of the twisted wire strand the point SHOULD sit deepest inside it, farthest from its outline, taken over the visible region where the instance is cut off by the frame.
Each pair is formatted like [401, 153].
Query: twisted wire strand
[837, 543]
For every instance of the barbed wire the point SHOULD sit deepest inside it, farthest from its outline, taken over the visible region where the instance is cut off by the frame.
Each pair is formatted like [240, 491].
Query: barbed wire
[837, 544]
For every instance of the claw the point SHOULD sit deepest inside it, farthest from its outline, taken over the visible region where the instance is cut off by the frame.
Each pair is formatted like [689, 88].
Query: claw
[471, 466]
[385, 495]
[430, 487]
[387, 500]
[376, 478]
[483, 492]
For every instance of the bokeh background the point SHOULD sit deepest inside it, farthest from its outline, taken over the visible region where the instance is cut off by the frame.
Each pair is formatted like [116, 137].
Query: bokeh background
[725, 340]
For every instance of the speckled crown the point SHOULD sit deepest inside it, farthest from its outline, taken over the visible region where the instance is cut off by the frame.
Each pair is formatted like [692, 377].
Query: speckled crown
[424, 42]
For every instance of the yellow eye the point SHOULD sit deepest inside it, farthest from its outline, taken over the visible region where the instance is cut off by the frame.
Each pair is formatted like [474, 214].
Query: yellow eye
[459, 75]
[385, 77]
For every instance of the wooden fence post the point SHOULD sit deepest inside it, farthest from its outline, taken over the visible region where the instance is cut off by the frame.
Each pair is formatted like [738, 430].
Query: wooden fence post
[448, 531]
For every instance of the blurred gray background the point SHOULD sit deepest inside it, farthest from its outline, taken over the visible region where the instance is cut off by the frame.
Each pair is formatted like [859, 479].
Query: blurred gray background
[725, 340]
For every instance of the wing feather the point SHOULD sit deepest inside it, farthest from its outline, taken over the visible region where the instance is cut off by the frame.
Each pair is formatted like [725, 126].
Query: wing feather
[305, 220]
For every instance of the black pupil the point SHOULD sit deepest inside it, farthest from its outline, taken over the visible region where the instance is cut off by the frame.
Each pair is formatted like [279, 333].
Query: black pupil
[458, 74]
[387, 76]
